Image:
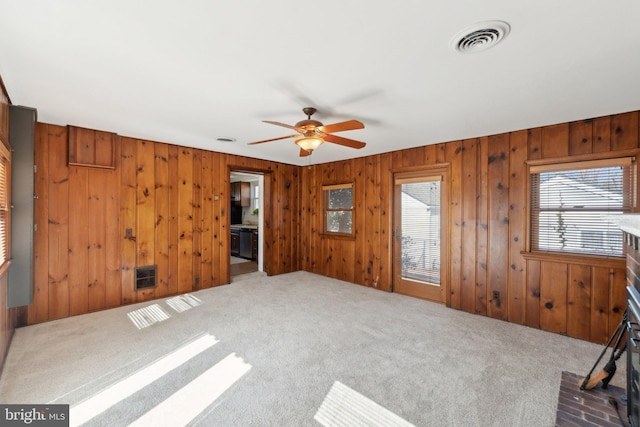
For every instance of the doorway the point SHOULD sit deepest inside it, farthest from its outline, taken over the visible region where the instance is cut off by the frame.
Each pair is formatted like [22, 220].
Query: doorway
[246, 220]
[420, 252]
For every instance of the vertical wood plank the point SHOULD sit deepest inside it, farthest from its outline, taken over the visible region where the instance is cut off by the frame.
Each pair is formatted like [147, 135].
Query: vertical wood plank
[498, 255]
[532, 315]
[305, 215]
[174, 228]
[104, 142]
[79, 218]
[292, 230]
[517, 226]
[128, 218]
[482, 229]
[602, 134]
[534, 142]
[385, 270]
[113, 295]
[366, 209]
[58, 224]
[197, 219]
[599, 316]
[206, 278]
[581, 137]
[555, 141]
[145, 200]
[224, 247]
[185, 220]
[453, 155]
[86, 146]
[162, 213]
[617, 297]
[38, 311]
[553, 297]
[469, 199]
[579, 302]
[97, 261]
[624, 131]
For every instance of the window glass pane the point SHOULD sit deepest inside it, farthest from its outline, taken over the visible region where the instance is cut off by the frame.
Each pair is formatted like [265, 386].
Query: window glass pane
[568, 206]
[421, 231]
[340, 198]
[339, 221]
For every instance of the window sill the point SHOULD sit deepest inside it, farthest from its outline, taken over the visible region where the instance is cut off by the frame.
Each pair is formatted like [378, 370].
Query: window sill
[593, 260]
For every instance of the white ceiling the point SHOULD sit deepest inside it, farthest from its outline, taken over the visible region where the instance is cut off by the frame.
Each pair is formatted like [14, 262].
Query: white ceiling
[188, 72]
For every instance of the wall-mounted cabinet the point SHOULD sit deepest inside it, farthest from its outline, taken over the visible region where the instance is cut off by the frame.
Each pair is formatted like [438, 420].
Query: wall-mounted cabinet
[91, 148]
[241, 193]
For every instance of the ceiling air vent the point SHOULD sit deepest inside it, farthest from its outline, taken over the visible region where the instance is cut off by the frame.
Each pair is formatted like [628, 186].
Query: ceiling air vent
[480, 36]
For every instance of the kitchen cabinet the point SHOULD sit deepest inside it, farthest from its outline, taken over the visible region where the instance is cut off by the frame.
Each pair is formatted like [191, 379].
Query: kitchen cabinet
[235, 242]
[254, 245]
[241, 193]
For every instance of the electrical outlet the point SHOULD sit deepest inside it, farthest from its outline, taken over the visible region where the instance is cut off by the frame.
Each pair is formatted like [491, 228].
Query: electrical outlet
[196, 280]
[128, 233]
[496, 295]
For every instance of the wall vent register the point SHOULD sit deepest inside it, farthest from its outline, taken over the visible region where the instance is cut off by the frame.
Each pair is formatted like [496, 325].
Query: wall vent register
[145, 277]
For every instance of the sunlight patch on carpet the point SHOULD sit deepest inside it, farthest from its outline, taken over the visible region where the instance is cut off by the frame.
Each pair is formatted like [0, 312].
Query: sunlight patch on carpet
[345, 407]
[187, 403]
[100, 402]
[183, 302]
[147, 316]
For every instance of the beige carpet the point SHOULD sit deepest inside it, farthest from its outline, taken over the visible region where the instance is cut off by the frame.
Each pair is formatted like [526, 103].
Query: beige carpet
[293, 350]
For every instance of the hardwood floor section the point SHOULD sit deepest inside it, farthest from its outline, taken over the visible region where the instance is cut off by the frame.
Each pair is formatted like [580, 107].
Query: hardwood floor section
[243, 268]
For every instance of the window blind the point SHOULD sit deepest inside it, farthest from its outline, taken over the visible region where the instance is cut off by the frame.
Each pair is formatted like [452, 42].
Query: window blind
[420, 229]
[569, 203]
[4, 209]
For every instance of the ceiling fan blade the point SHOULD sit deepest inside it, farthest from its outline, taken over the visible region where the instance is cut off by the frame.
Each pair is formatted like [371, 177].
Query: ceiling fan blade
[304, 153]
[272, 139]
[343, 141]
[284, 125]
[342, 126]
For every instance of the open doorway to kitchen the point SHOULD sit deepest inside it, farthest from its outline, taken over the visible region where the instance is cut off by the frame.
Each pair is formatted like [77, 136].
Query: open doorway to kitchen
[246, 220]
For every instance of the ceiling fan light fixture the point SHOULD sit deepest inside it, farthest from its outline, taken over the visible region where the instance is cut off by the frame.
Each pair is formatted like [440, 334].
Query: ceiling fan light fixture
[309, 143]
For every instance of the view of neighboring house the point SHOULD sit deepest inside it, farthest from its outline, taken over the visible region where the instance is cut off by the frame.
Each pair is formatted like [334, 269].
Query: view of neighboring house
[421, 211]
[570, 211]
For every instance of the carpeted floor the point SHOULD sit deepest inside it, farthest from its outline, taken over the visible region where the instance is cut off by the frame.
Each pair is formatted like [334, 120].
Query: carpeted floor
[293, 350]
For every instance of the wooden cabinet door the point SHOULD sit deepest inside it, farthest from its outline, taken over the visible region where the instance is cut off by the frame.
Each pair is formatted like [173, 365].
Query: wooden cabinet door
[235, 243]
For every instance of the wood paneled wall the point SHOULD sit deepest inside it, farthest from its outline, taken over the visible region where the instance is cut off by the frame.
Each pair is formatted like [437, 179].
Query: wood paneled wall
[162, 204]
[488, 227]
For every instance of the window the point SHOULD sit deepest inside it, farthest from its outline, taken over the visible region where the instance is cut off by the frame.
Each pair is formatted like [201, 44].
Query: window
[256, 197]
[338, 209]
[5, 167]
[569, 200]
[420, 227]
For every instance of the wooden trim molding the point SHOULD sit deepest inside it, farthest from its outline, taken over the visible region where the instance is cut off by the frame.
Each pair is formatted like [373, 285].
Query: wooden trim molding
[595, 261]
[583, 158]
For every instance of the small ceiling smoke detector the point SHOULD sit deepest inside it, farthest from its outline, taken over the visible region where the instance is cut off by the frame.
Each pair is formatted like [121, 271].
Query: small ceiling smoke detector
[225, 139]
[480, 36]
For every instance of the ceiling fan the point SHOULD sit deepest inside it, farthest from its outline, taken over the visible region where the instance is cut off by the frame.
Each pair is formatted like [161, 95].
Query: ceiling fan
[312, 133]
